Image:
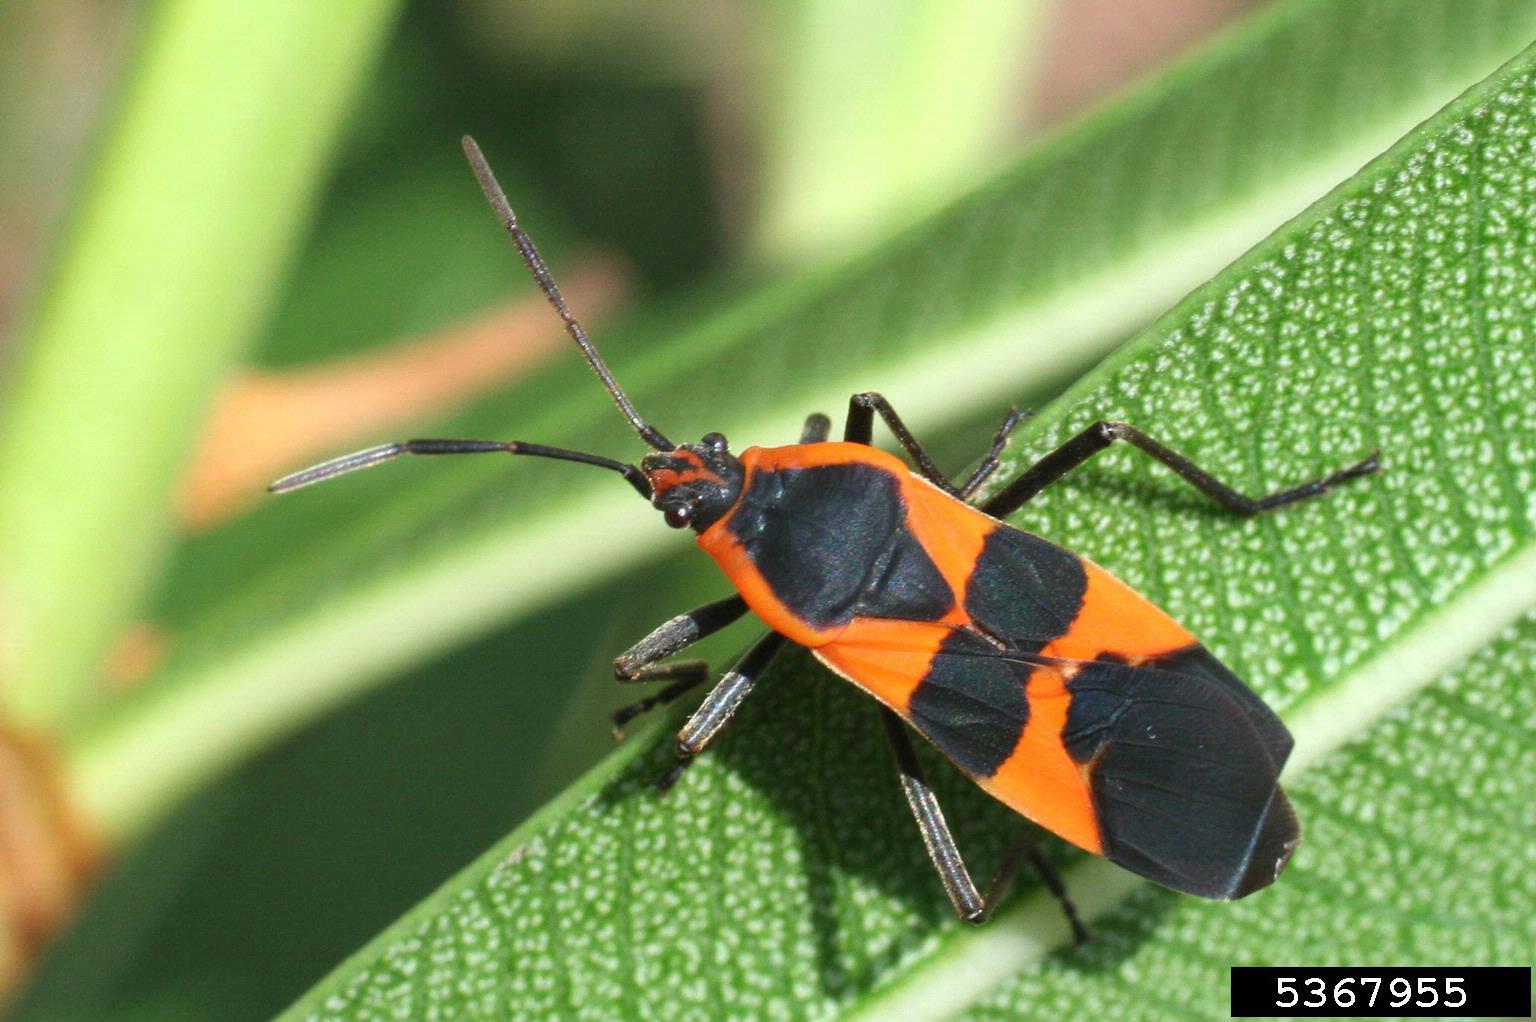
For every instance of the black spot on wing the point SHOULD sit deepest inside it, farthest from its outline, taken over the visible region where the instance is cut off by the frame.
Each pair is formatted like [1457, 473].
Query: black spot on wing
[1024, 590]
[1184, 776]
[905, 584]
[972, 703]
[814, 533]
[831, 541]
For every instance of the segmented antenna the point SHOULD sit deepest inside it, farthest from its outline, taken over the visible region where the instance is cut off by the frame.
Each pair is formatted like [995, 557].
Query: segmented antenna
[388, 452]
[337, 466]
[535, 263]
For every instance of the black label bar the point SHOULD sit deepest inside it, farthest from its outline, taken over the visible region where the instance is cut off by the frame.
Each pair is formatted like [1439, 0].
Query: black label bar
[1306, 992]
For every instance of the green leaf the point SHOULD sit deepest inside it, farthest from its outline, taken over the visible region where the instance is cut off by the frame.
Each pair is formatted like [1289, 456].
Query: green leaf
[1007, 293]
[1390, 623]
[195, 200]
[1397, 868]
[922, 94]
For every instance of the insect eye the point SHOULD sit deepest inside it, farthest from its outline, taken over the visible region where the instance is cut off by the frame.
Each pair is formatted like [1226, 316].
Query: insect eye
[714, 441]
[677, 515]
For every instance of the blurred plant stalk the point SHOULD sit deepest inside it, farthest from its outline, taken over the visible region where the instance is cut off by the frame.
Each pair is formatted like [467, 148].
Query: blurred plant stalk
[198, 192]
[876, 119]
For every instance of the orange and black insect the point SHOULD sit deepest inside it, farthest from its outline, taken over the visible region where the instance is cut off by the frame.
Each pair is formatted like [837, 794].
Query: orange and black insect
[1053, 685]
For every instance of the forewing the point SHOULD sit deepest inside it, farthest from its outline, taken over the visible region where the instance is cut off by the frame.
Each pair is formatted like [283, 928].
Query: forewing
[1163, 768]
[1184, 774]
[1080, 704]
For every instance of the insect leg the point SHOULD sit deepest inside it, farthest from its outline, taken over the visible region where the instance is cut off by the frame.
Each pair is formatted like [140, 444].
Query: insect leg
[674, 636]
[860, 429]
[816, 429]
[1101, 434]
[639, 663]
[690, 674]
[937, 838]
[940, 842]
[988, 465]
[721, 704]
[1024, 846]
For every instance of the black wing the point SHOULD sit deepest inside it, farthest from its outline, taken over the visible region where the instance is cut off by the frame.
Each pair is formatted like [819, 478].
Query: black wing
[1181, 760]
[1184, 763]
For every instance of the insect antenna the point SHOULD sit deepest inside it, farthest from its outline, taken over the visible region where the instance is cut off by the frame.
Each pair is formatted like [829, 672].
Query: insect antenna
[388, 452]
[535, 263]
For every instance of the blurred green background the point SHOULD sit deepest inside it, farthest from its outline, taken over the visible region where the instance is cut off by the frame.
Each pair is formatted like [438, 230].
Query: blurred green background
[240, 735]
[701, 150]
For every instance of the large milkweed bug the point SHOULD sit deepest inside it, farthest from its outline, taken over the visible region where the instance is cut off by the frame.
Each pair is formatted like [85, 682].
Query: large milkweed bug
[1053, 685]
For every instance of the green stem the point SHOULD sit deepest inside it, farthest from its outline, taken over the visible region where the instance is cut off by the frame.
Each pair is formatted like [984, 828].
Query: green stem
[877, 117]
[199, 191]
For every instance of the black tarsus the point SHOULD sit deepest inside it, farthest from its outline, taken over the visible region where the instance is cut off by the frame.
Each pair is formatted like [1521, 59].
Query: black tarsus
[1102, 434]
[1024, 842]
[690, 674]
[535, 263]
[1011, 421]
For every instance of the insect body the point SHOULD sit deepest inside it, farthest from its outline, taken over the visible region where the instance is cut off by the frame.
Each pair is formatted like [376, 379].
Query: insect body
[1053, 685]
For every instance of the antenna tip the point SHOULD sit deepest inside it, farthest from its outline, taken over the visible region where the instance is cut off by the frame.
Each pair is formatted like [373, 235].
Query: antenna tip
[336, 466]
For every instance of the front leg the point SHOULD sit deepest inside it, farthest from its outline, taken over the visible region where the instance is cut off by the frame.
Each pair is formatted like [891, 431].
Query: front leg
[637, 663]
[640, 662]
[860, 429]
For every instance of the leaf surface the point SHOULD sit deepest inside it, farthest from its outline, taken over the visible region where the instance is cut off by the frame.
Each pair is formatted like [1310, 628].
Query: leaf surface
[1390, 624]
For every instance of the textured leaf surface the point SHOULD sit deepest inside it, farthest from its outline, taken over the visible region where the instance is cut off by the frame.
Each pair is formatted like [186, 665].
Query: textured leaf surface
[1409, 875]
[1015, 287]
[783, 879]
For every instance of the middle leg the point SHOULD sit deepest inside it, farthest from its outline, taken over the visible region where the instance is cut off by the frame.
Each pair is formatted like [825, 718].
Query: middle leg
[859, 429]
[715, 712]
[989, 464]
[967, 899]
